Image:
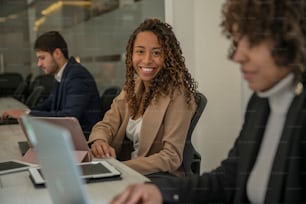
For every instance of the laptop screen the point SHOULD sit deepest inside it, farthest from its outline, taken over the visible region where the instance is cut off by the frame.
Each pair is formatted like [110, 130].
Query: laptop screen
[69, 123]
[54, 151]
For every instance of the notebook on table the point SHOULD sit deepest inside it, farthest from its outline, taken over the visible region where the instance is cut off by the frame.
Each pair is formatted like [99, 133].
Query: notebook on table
[81, 149]
[58, 165]
[12, 166]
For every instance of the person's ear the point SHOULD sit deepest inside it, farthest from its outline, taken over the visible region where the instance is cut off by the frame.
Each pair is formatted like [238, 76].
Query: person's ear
[57, 53]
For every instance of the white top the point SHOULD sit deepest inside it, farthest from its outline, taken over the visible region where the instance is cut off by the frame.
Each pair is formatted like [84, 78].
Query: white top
[133, 133]
[280, 97]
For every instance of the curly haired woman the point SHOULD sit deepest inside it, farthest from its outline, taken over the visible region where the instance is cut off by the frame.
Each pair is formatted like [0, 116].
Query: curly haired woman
[267, 163]
[155, 107]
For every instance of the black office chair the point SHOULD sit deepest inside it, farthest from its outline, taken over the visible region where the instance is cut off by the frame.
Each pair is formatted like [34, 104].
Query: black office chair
[19, 93]
[35, 97]
[192, 158]
[28, 78]
[9, 83]
[43, 80]
[107, 97]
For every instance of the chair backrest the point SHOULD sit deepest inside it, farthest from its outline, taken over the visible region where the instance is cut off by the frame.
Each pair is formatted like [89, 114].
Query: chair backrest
[28, 78]
[44, 80]
[9, 83]
[191, 158]
[108, 96]
[19, 93]
[35, 97]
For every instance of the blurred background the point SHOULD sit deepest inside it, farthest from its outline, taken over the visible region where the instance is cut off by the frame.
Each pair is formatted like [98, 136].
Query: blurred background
[96, 32]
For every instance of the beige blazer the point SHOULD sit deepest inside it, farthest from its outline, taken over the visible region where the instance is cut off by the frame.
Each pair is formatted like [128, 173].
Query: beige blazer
[162, 135]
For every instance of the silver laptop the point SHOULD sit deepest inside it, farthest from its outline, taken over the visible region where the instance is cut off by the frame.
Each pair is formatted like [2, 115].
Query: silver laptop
[54, 153]
[59, 169]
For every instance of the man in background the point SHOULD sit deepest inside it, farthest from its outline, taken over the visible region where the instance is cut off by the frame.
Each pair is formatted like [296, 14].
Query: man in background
[74, 91]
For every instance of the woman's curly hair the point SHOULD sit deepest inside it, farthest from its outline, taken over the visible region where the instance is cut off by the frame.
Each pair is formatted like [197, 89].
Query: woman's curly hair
[173, 75]
[282, 21]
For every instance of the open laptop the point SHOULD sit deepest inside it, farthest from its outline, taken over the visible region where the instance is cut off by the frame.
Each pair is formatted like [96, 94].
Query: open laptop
[58, 165]
[81, 149]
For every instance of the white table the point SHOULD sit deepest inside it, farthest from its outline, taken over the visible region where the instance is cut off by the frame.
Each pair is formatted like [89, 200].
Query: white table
[10, 103]
[17, 188]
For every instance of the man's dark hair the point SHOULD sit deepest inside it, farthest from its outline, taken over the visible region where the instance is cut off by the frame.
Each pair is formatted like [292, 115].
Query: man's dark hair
[50, 41]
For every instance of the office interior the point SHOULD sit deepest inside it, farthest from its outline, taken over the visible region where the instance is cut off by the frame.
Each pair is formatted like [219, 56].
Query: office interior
[97, 32]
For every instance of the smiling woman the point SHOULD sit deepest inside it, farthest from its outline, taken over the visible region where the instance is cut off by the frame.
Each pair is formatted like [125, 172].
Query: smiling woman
[148, 57]
[267, 161]
[155, 107]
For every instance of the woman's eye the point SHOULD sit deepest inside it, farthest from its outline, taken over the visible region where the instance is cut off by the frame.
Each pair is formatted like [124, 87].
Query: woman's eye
[139, 51]
[156, 53]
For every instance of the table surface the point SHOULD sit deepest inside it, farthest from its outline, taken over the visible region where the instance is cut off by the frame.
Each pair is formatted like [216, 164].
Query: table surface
[10, 103]
[17, 187]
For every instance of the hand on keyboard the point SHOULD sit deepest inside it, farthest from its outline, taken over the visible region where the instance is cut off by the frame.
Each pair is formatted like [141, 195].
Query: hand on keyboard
[10, 116]
[12, 113]
[8, 121]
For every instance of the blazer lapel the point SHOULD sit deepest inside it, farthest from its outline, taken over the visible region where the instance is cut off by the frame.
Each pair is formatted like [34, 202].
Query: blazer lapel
[61, 86]
[55, 92]
[59, 95]
[251, 137]
[279, 173]
[152, 120]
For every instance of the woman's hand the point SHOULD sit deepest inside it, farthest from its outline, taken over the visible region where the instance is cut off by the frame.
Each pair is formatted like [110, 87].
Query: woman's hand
[12, 113]
[102, 149]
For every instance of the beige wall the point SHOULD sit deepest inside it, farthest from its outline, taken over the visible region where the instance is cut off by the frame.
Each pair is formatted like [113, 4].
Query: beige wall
[205, 50]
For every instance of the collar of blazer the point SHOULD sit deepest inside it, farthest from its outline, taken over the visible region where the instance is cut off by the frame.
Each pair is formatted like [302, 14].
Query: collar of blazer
[152, 119]
[70, 62]
[289, 151]
[63, 81]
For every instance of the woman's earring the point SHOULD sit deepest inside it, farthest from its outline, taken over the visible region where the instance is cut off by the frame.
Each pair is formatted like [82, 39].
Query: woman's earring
[298, 88]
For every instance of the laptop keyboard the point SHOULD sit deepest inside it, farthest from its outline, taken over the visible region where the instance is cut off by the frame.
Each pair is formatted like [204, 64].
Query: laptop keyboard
[8, 121]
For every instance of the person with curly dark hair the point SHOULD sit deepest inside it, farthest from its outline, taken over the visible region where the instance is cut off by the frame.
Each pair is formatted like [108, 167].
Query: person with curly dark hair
[267, 163]
[154, 108]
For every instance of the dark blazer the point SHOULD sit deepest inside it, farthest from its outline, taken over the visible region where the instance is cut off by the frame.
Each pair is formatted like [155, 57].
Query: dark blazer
[77, 96]
[227, 183]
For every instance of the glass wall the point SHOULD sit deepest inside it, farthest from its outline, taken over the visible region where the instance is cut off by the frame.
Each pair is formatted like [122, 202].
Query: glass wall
[96, 32]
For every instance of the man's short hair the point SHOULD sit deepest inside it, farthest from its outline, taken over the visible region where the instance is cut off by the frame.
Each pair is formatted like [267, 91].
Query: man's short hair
[50, 41]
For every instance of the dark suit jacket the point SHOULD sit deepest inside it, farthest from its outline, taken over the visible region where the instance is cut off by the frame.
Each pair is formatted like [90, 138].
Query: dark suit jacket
[227, 183]
[76, 96]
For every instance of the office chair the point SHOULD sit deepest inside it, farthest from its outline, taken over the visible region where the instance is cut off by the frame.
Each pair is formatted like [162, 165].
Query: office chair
[107, 97]
[28, 78]
[9, 82]
[35, 97]
[44, 80]
[19, 93]
[191, 158]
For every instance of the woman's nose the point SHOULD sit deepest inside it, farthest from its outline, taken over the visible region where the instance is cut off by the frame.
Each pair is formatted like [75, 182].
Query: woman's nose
[148, 57]
[240, 53]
